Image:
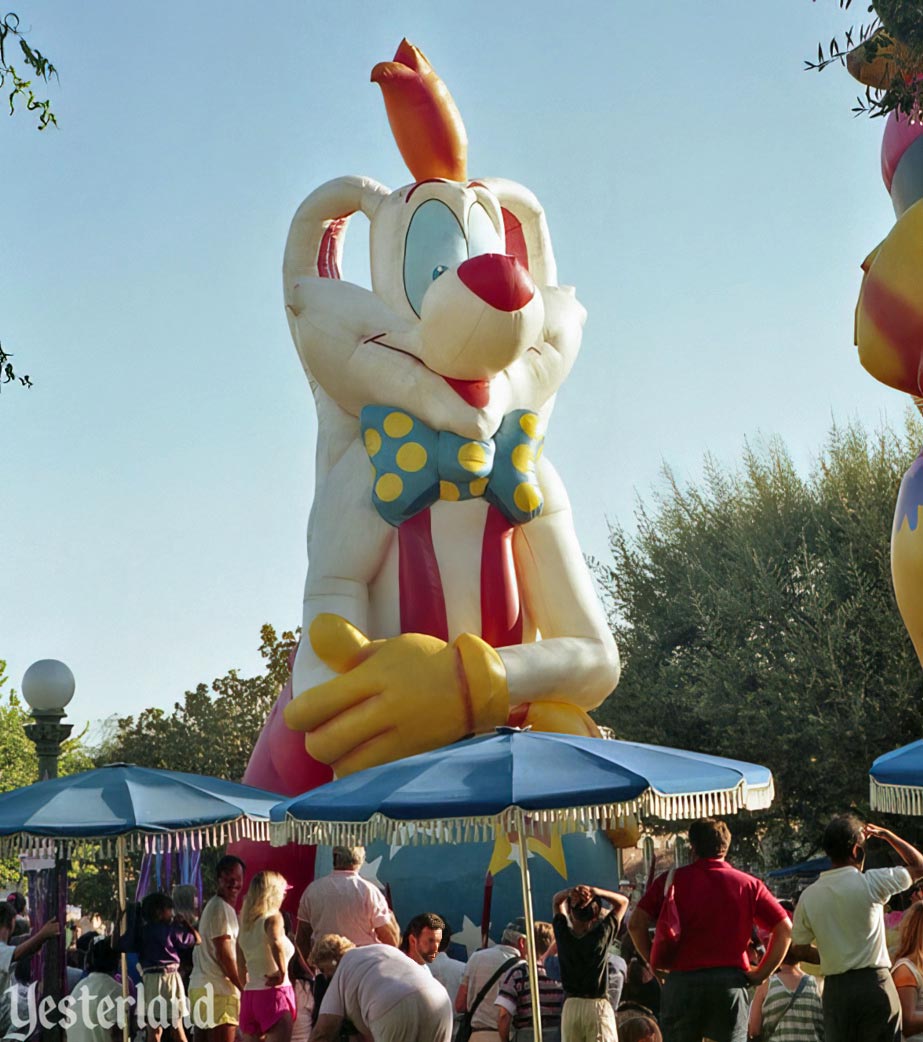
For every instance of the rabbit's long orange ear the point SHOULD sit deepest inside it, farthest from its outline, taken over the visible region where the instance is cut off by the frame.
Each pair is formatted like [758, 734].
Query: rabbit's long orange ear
[425, 121]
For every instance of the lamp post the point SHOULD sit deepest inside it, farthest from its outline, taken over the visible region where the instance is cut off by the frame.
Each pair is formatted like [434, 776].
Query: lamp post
[48, 686]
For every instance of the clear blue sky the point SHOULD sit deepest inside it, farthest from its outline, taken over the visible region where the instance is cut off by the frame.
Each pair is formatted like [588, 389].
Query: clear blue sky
[710, 201]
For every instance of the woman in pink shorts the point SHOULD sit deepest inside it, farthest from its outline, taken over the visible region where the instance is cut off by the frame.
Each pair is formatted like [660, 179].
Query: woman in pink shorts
[267, 1005]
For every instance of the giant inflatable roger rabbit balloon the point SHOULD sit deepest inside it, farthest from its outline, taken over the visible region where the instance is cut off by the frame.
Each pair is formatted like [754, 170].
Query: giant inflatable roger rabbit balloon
[889, 331]
[446, 592]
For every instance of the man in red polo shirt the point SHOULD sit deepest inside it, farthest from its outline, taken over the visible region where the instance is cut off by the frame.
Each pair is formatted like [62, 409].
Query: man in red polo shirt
[705, 994]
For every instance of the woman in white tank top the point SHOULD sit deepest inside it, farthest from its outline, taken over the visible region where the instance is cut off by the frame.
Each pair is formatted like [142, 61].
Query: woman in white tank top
[267, 1005]
[907, 972]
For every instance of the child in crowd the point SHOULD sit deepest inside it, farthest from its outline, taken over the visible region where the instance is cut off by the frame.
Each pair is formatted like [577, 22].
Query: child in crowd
[9, 953]
[97, 991]
[163, 937]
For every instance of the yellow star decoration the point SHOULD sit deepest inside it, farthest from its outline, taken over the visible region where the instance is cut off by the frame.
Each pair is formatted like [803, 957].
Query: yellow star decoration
[547, 846]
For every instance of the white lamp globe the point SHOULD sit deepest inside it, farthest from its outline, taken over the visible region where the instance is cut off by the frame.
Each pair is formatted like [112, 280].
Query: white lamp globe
[48, 685]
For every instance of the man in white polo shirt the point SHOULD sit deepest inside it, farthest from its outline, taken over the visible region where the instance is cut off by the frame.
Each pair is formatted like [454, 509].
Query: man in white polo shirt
[843, 914]
[346, 904]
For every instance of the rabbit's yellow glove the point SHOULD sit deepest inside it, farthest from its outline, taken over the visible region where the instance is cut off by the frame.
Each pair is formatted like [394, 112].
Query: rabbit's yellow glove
[395, 697]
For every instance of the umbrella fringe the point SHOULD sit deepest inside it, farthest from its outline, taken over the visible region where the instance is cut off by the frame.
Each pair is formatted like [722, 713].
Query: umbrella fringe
[895, 799]
[194, 838]
[484, 828]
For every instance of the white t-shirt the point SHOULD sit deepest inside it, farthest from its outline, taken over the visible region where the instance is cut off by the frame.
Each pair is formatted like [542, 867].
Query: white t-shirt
[344, 903]
[218, 920]
[87, 996]
[844, 913]
[372, 980]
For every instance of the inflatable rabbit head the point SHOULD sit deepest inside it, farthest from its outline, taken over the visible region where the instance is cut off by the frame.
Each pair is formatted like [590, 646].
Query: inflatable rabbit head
[465, 321]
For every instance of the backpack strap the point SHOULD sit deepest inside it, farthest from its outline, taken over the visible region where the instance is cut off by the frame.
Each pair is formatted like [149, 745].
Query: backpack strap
[793, 998]
[507, 965]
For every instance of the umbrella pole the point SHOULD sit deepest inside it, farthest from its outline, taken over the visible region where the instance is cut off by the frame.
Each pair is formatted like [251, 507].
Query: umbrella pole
[530, 926]
[122, 927]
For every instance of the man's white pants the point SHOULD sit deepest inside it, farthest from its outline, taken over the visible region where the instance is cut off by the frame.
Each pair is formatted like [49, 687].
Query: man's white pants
[588, 1020]
[421, 1017]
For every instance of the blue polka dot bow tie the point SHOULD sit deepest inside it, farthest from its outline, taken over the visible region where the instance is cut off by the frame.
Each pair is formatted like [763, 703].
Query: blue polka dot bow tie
[415, 466]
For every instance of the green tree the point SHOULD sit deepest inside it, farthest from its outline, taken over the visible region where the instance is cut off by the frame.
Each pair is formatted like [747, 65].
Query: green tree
[756, 619]
[213, 730]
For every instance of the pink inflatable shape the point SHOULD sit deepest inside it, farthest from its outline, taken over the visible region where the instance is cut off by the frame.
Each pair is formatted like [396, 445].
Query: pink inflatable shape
[900, 132]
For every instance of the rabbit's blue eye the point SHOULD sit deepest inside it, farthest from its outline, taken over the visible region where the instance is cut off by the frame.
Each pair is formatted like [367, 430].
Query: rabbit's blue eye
[435, 243]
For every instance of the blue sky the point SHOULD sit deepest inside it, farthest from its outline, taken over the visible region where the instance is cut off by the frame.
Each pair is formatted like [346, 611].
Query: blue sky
[710, 201]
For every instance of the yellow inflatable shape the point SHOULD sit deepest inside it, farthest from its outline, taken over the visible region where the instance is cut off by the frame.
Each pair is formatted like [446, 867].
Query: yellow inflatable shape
[395, 697]
[889, 313]
[628, 835]
[556, 717]
[907, 554]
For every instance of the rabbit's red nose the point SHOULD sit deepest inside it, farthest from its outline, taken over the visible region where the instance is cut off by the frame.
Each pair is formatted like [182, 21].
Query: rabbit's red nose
[499, 280]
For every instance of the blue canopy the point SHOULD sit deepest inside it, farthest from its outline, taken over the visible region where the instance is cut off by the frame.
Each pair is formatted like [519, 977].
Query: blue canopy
[472, 789]
[149, 807]
[814, 867]
[896, 781]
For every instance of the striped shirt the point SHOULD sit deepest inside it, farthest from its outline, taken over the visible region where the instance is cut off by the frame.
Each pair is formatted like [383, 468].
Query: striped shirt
[515, 996]
[804, 1020]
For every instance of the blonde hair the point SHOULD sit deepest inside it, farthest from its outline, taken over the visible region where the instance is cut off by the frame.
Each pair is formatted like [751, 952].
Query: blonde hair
[329, 947]
[267, 890]
[544, 938]
[910, 945]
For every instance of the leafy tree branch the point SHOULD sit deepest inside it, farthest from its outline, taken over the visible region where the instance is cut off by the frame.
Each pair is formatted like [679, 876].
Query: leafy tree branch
[885, 53]
[20, 88]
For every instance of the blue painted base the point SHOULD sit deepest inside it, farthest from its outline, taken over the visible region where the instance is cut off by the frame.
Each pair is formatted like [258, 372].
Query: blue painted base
[449, 880]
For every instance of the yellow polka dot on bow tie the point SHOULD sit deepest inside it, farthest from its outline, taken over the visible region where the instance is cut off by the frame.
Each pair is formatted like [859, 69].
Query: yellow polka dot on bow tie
[372, 441]
[411, 457]
[526, 497]
[541, 449]
[529, 423]
[397, 424]
[472, 456]
[449, 490]
[522, 457]
[389, 487]
[476, 487]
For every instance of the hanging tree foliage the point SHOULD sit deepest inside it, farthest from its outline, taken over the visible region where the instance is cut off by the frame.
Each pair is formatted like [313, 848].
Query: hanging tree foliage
[885, 53]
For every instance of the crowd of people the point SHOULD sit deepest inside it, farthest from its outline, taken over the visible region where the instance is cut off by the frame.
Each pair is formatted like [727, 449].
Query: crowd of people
[708, 954]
